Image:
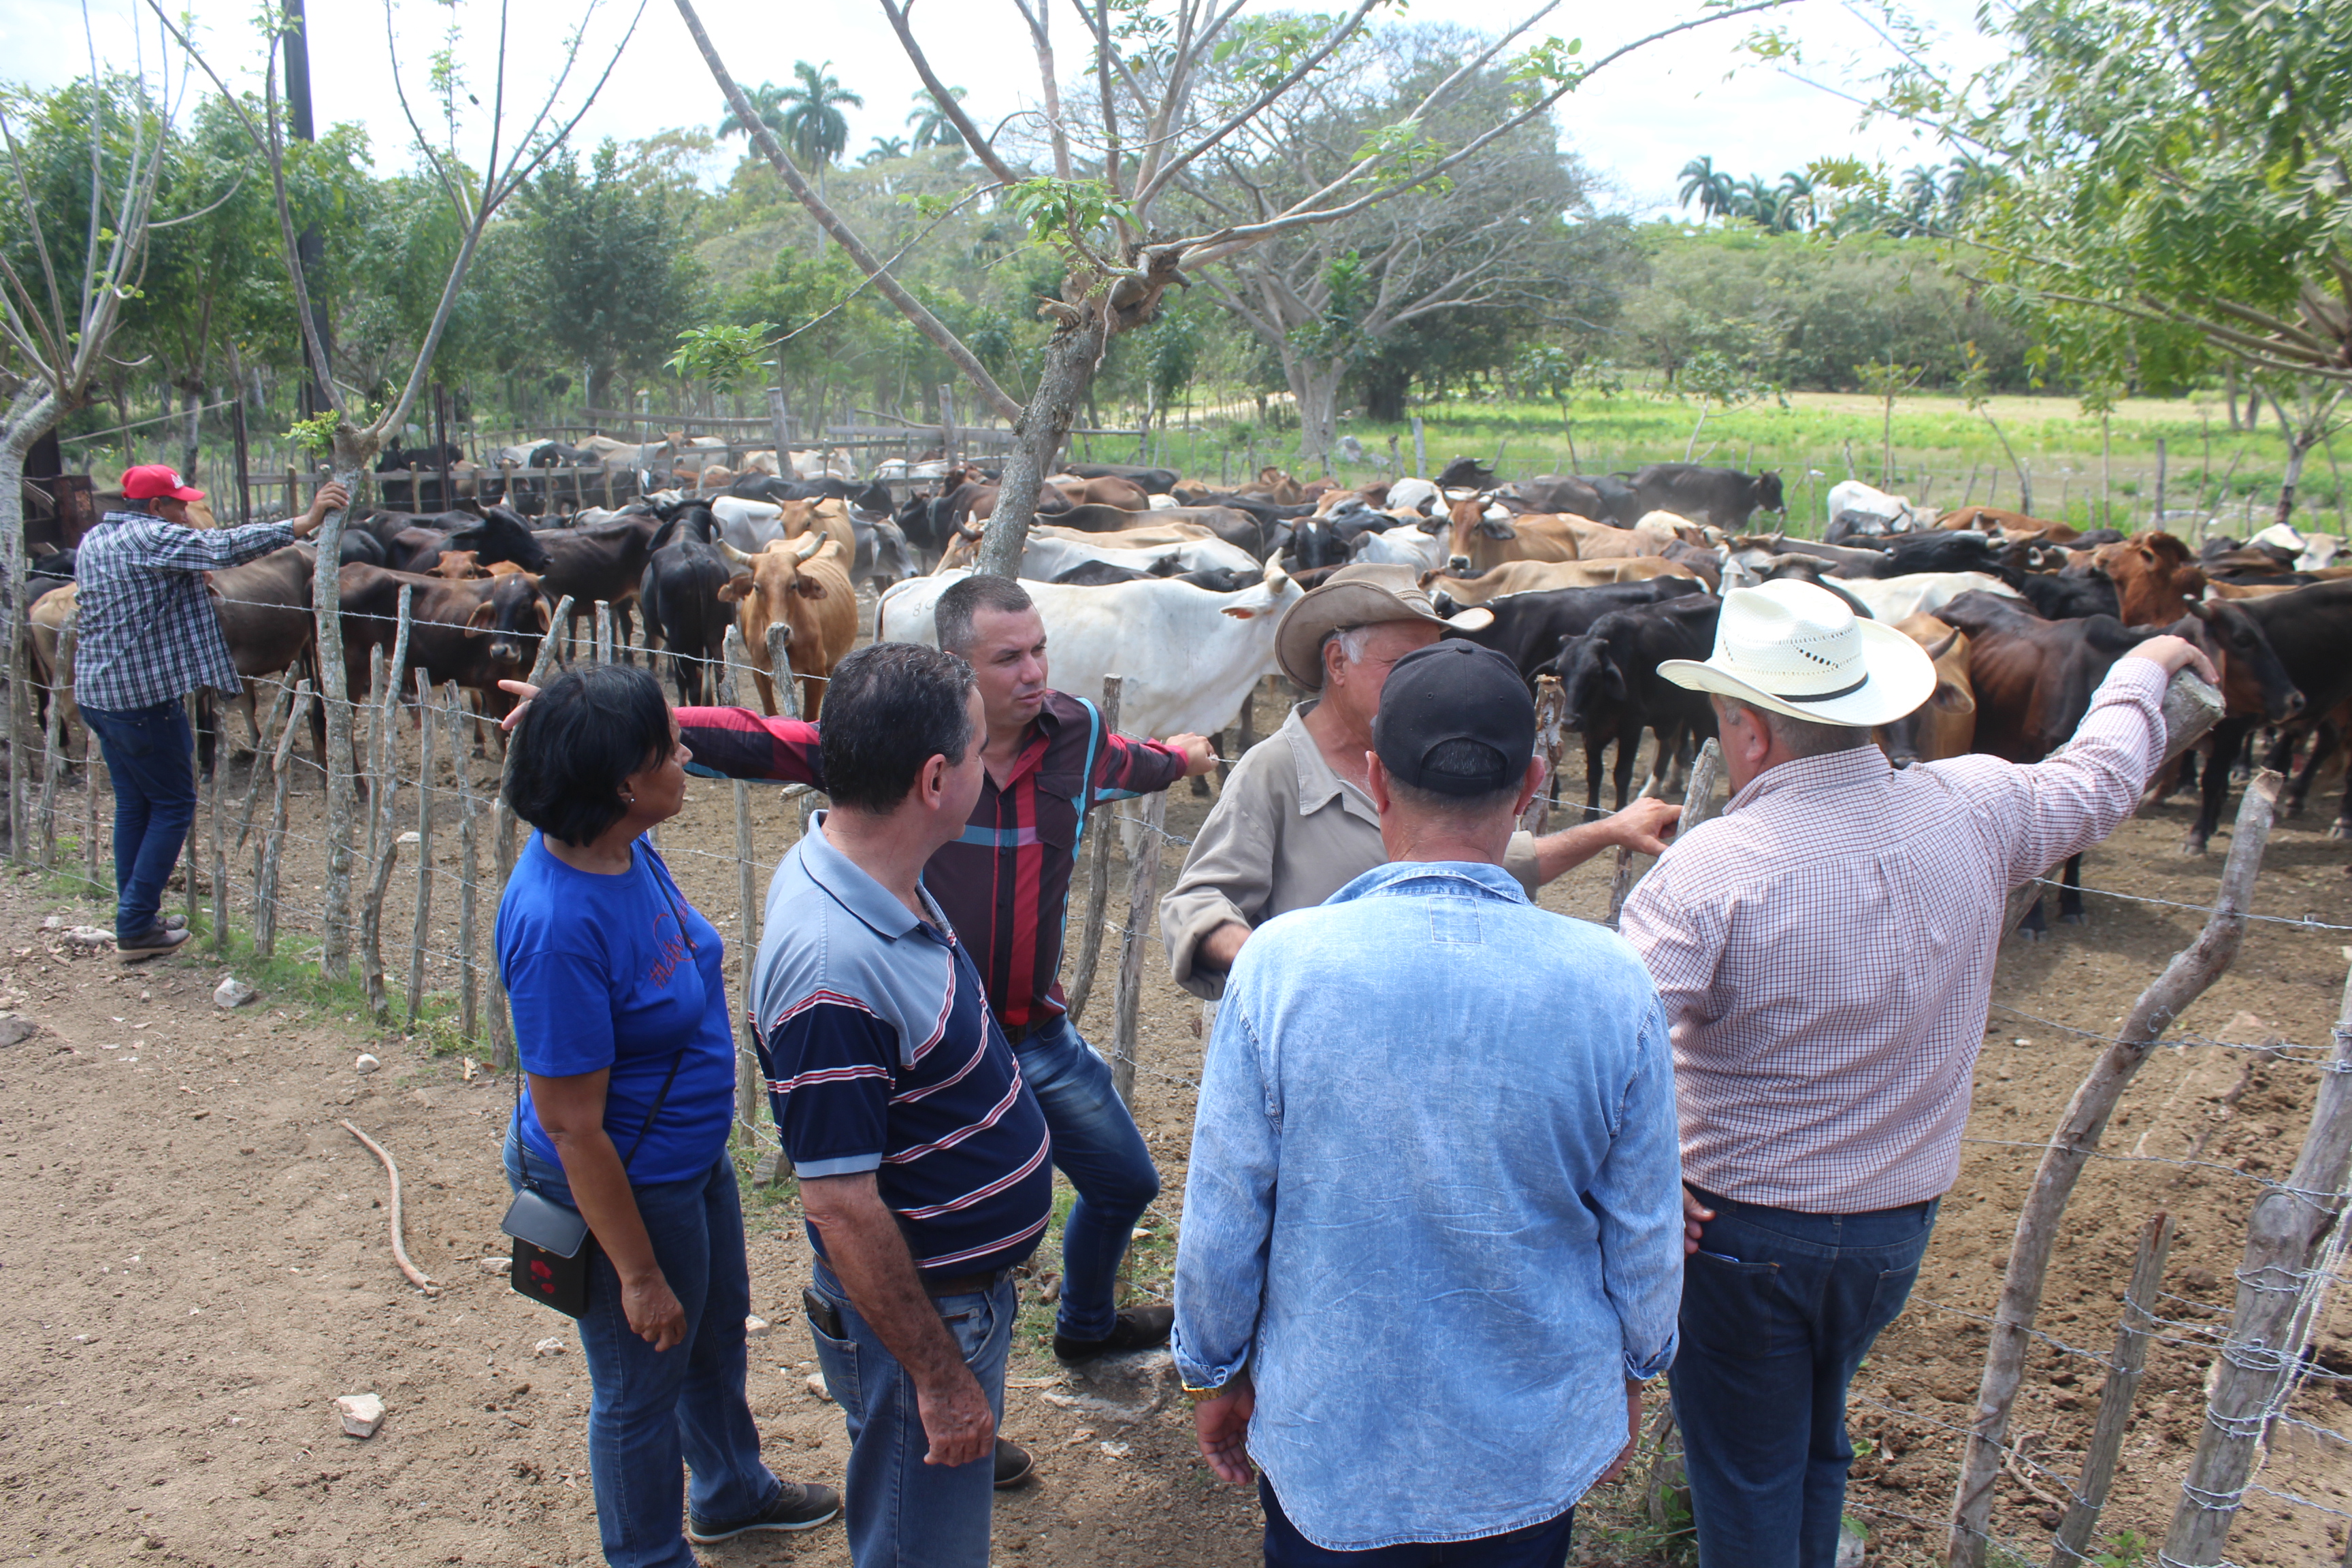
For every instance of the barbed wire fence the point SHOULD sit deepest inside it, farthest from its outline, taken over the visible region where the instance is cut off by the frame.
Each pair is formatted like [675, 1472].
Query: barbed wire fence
[428, 794]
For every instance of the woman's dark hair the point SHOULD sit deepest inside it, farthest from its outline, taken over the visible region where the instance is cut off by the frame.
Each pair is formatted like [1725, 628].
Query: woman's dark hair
[589, 729]
[889, 710]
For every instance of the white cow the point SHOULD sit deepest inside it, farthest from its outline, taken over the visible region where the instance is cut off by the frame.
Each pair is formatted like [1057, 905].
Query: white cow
[1412, 494]
[1893, 599]
[1048, 555]
[751, 526]
[1406, 545]
[1189, 655]
[1895, 511]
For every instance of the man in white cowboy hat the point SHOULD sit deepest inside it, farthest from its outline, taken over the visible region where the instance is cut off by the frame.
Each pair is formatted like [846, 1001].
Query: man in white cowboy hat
[1296, 822]
[1824, 950]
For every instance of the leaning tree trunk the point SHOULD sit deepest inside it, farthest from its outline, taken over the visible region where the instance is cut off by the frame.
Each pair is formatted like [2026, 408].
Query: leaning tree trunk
[1072, 355]
[1316, 385]
[30, 415]
[351, 451]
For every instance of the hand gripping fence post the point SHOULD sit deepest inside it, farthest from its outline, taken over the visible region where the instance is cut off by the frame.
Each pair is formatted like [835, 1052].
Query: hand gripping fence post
[502, 1051]
[1091, 929]
[2191, 973]
[1142, 898]
[2259, 1361]
[2124, 1373]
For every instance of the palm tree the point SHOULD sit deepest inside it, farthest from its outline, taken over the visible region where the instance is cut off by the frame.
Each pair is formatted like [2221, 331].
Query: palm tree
[1754, 200]
[884, 149]
[1918, 197]
[1970, 177]
[1792, 203]
[813, 127]
[768, 101]
[930, 125]
[1707, 185]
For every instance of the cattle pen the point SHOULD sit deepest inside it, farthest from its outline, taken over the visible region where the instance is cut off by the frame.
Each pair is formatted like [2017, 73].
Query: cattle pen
[2158, 1357]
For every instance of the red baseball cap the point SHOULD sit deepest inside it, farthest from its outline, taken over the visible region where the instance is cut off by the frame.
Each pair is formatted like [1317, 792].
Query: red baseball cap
[154, 481]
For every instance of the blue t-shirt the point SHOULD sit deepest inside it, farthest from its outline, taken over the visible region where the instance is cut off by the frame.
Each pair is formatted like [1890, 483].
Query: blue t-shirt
[600, 975]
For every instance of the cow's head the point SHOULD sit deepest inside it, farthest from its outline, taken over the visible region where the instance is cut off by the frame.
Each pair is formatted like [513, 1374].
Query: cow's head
[1766, 492]
[2252, 678]
[1272, 593]
[513, 614]
[1916, 736]
[1591, 684]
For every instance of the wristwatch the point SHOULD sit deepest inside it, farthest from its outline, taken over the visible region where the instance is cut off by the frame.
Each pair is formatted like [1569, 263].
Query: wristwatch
[1203, 1395]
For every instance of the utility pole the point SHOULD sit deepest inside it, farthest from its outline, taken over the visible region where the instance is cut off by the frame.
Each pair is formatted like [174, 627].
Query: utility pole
[309, 248]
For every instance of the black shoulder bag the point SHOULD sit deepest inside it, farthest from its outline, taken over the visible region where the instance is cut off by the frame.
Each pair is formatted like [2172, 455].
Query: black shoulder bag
[552, 1247]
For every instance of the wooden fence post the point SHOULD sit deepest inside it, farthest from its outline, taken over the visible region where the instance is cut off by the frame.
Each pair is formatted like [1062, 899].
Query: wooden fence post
[53, 750]
[2265, 1349]
[2124, 1371]
[747, 1060]
[193, 846]
[1091, 929]
[604, 632]
[420, 927]
[94, 772]
[469, 867]
[383, 840]
[2192, 972]
[779, 671]
[273, 839]
[219, 866]
[1142, 901]
[1549, 706]
[1420, 452]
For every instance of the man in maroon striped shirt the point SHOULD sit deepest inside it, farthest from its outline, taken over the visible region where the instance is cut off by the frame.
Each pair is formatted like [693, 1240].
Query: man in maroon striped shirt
[1005, 887]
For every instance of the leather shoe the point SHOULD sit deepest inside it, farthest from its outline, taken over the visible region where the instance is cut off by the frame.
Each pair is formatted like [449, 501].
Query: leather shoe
[1138, 1329]
[1014, 1465]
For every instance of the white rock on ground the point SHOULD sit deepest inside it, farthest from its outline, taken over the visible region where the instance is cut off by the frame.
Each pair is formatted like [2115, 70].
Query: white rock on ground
[495, 1265]
[232, 993]
[755, 1327]
[90, 936]
[361, 1414]
[366, 1064]
[551, 1345]
[816, 1386]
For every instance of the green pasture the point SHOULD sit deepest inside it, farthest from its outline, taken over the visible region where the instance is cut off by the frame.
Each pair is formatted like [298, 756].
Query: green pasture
[1944, 453]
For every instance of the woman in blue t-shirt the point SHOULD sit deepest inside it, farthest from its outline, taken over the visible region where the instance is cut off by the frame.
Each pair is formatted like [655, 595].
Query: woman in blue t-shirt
[620, 1015]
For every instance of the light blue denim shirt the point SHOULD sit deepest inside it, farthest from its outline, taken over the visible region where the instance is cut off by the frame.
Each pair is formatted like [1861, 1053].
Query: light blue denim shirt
[1434, 1205]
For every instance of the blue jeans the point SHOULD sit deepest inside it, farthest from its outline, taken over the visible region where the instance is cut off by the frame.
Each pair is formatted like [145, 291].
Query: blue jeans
[901, 1513]
[1778, 1308]
[148, 753]
[1541, 1545]
[1096, 1146]
[650, 1413]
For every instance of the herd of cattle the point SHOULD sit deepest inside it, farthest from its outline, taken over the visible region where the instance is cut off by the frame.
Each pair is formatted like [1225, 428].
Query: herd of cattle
[1178, 587]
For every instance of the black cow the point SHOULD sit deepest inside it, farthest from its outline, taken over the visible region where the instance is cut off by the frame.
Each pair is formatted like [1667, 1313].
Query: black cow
[1906, 553]
[1155, 481]
[1723, 496]
[499, 535]
[1613, 689]
[1529, 628]
[2067, 596]
[679, 588]
[2308, 630]
[54, 570]
[1314, 541]
[1603, 497]
[873, 498]
[1103, 574]
[605, 562]
[1465, 474]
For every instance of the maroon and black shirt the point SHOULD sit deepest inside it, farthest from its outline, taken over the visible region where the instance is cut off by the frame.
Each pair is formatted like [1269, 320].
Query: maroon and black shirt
[1005, 884]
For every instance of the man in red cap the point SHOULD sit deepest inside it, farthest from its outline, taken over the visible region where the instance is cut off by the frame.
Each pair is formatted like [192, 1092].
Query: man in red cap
[147, 636]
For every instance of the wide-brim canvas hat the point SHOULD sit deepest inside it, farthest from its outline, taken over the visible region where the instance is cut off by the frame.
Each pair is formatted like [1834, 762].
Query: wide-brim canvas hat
[1798, 649]
[1369, 594]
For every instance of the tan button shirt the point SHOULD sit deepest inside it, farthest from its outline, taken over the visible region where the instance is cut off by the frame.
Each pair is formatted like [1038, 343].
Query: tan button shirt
[1285, 834]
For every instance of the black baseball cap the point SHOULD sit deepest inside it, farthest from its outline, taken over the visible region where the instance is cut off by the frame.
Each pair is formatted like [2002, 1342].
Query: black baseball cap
[1455, 692]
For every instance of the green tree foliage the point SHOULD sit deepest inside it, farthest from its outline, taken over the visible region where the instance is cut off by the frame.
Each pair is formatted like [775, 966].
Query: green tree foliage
[768, 109]
[621, 285]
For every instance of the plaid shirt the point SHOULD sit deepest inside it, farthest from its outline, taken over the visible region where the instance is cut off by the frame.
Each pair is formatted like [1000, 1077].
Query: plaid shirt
[145, 628]
[1825, 952]
[1004, 886]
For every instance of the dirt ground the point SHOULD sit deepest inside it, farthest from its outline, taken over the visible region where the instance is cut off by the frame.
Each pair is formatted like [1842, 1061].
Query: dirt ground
[193, 1261]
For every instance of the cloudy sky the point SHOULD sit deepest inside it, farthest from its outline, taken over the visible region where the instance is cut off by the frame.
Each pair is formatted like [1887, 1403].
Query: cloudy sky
[1636, 123]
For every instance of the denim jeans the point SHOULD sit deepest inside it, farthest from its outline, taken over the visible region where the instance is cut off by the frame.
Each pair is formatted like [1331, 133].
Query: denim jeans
[1096, 1146]
[901, 1513]
[1541, 1545]
[651, 1414]
[1778, 1308]
[148, 753]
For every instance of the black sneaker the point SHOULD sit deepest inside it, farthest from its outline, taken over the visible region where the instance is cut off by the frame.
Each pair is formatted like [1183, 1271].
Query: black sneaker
[159, 938]
[1014, 1465]
[1140, 1329]
[800, 1505]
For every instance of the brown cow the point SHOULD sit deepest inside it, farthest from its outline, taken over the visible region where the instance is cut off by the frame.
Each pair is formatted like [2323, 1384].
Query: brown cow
[803, 586]
[459, 564]
[1534, 576]
[1945, 724]
[1481, 543]
[827, 515]
[44, 627]
[1993, 520]
[1125, 494]
[2156, 577]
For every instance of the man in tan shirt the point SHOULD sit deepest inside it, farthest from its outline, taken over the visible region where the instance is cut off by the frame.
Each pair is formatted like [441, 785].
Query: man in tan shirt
[1296, 822]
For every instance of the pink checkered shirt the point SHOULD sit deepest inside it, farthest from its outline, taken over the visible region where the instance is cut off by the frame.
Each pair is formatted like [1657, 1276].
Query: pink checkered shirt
[1825, 952]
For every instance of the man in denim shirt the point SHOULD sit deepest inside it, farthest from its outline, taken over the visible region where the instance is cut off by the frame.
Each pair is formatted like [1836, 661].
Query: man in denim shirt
[1432, 1226]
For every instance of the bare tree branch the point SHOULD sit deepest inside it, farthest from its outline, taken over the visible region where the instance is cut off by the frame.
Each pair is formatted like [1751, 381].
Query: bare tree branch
[1039, 15]
[896, 11]
[930, 326]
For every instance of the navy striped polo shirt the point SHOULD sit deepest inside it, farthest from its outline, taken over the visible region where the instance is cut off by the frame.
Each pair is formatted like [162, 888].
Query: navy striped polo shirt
[881, 1055]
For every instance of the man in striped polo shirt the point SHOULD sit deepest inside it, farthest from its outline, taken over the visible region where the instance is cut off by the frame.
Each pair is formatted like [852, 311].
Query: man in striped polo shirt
[923, 1159]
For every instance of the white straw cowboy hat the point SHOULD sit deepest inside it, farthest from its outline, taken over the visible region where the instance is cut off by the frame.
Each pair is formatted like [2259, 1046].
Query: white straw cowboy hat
[1369, 595]
[1798, 649]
